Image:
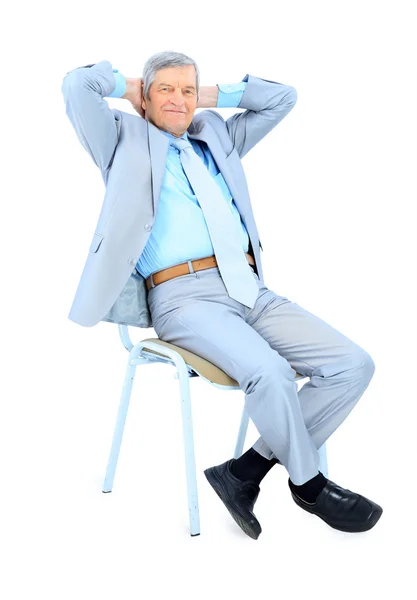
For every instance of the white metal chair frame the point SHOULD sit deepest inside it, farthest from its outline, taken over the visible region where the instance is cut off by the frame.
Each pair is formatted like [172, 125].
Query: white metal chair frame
[143, 353]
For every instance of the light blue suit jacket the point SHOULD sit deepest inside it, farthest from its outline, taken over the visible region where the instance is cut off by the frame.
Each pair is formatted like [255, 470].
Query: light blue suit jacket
[131, 155]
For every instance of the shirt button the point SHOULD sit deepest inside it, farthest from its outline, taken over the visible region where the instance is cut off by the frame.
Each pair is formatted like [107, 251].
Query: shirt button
[148, 227]
[133, 261]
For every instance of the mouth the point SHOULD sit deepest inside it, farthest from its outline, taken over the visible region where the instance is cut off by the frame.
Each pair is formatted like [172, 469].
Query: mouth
[176, 112]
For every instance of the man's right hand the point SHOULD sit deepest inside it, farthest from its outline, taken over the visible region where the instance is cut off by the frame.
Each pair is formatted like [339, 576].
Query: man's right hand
[134, 93]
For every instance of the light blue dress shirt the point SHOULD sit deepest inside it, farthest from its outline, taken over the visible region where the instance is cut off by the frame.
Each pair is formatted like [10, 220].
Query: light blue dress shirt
[179, 231]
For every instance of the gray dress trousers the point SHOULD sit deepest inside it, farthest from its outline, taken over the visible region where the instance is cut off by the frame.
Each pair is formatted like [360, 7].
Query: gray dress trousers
[262, 348]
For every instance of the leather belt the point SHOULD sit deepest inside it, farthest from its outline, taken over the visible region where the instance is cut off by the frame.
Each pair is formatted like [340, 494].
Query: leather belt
[183, 269]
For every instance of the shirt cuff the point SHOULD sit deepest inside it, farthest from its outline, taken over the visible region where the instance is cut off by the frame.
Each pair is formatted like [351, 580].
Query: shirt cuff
[120, 88]
[230, 94]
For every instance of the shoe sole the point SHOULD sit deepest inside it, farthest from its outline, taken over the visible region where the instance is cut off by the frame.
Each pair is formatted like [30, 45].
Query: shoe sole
[251, 529]
[347, 527]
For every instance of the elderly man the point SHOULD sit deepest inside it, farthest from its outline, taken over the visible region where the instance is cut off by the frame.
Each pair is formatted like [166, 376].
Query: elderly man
[178, 210]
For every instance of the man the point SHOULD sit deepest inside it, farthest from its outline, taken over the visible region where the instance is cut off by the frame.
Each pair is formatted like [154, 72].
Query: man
[178, 217]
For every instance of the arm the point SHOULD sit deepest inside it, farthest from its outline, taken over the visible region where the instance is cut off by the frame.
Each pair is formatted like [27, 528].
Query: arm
[221, 95]
[208, 96]
[96, 125]
[266, 103]
[133, 93]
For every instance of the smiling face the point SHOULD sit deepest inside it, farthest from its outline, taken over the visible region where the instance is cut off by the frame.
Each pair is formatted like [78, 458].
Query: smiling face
[173, 99]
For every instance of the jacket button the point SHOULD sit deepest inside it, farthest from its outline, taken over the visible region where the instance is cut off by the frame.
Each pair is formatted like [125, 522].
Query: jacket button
[148, 227]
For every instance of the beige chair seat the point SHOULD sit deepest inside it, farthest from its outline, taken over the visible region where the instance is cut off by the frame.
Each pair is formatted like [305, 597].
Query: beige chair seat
[200, 365]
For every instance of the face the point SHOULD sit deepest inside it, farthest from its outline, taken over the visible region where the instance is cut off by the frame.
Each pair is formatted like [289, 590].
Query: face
[173, 99]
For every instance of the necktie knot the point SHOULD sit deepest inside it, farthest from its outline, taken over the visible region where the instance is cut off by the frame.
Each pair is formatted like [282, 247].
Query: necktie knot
[180, 144]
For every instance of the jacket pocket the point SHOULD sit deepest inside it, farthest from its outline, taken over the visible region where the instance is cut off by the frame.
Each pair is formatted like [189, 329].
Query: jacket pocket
[95, 244]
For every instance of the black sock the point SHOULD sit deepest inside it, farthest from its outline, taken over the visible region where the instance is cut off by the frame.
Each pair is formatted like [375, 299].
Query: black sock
[309, 490]
[252, 465]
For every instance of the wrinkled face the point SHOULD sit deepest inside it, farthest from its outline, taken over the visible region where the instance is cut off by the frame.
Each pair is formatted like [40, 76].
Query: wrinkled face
[173, 99]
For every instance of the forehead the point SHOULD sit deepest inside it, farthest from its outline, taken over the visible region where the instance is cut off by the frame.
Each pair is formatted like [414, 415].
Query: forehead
[177, 75]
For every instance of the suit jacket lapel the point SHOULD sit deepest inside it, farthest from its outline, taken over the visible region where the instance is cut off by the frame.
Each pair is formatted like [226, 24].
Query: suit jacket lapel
[158, 144]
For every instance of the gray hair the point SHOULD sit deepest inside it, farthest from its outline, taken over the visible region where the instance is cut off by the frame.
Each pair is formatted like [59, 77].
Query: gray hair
[163, 60]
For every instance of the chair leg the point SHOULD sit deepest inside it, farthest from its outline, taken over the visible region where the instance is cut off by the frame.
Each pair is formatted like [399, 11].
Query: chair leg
[244, 422]
[323, 460]
[187, 426]
[120, 424]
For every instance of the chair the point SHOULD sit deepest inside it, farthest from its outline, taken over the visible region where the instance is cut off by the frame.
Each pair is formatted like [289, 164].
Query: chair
[187, 365]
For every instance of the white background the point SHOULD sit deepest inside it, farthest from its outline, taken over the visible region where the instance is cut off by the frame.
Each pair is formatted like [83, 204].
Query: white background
[333, 190]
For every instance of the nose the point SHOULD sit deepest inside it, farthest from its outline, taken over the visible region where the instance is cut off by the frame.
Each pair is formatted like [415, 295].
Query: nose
[177, 98]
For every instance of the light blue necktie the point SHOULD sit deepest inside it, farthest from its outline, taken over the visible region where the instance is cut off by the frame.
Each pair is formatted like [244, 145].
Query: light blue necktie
[223, 229]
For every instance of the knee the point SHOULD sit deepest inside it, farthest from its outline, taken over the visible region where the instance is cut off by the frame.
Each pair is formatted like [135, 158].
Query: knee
[275, 366]
[367, 365]
[355, 365]
[362, 363]
[273, 369]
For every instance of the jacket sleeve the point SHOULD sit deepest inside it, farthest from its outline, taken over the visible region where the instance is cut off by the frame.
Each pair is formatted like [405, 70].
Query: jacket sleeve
[96, 125]
[266, 103]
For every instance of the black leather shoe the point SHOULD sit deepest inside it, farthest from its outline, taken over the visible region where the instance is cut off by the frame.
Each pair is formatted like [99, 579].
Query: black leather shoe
[238, 496]
[342, 509]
